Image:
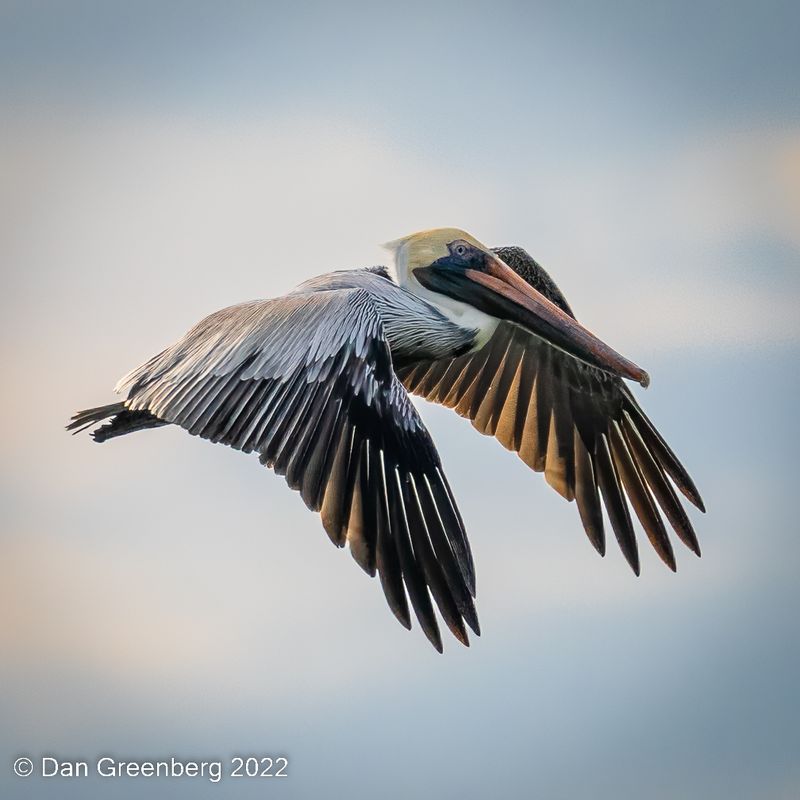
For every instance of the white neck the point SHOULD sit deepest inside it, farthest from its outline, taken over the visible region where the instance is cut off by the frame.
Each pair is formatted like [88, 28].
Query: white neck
[461, 314]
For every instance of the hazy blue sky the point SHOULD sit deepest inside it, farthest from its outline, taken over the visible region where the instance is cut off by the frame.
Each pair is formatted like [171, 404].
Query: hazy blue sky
[162, 596]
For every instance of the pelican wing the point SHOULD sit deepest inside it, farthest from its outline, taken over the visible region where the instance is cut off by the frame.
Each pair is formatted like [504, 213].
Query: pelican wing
[579, 425]
[306, 381]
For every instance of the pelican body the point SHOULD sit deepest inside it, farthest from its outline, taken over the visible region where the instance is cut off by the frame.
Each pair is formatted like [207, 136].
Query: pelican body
[317, 383]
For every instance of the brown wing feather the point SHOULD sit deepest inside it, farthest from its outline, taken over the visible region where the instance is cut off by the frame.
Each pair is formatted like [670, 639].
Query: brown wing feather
[580, 426]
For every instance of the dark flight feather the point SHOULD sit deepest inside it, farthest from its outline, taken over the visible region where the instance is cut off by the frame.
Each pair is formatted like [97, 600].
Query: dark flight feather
[306, 382]
[579, 425]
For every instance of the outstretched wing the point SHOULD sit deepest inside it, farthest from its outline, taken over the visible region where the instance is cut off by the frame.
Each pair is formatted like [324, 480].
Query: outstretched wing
[579, 425]
[306, 381]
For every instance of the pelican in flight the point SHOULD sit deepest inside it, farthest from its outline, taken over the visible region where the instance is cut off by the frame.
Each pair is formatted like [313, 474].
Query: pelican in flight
[317, 383]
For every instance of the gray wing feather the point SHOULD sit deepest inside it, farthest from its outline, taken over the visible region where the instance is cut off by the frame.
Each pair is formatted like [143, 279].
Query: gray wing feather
[306, 381]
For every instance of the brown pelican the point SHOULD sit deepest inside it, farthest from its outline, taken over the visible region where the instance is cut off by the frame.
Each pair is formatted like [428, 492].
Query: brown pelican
[317, 383]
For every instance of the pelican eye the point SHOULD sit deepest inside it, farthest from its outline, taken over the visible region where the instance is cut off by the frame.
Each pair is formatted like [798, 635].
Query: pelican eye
[461, 249]
[464, 255]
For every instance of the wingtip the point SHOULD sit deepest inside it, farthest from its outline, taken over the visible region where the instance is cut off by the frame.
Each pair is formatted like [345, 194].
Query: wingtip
[401, 615]
[463, 638]
[436, 641]
[689, 491]
[431, 630]
[474, 625]
[700, 504]
[666, 553]
[461, 635]
[598, 542]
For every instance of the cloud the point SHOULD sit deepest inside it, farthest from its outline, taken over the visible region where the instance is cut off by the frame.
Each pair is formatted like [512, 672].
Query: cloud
[158, 593]
[642, 242]
[124, 230]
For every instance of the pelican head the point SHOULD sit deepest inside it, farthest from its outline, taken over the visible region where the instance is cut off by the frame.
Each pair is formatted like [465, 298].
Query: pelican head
[455, 272]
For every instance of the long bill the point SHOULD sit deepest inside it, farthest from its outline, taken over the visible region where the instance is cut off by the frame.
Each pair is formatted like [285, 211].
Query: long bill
[499, 291]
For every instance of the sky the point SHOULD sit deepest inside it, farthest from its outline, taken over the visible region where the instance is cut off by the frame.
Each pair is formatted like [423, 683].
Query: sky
[160, 596]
